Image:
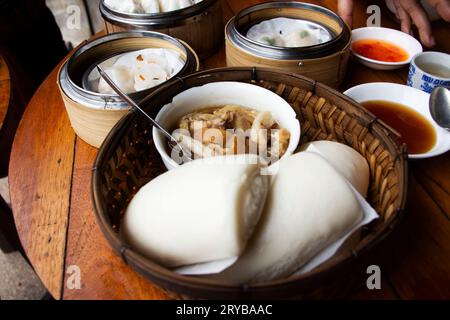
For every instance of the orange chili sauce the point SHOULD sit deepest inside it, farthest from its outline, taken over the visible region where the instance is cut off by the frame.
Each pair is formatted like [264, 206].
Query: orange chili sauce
[380, 50]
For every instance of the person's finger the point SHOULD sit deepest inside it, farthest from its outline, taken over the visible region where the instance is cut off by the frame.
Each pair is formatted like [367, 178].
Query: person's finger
[420, 19]
[345, 11]
[404, 17]
[442, 7]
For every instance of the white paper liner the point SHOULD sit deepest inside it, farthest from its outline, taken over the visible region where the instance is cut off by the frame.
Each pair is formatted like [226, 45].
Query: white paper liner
[206, 268]
[369, 215]
[174, 64]
[281, 28]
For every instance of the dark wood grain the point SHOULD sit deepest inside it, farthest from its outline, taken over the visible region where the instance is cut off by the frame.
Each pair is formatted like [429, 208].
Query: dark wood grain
[40, 182]
[50, 176]
[418, 255]
[5, 90]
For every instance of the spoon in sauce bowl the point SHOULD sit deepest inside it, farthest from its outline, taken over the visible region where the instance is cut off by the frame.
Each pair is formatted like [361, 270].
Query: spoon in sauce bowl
[173, 142]
[440, 107]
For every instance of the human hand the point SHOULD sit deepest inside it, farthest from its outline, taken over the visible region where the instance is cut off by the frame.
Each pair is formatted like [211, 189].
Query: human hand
[345, 10]
[411, 12]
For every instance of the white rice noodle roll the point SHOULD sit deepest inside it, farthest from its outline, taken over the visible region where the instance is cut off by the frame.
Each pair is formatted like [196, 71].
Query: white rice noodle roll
[149, 76]
[139, 70]
[122, 76]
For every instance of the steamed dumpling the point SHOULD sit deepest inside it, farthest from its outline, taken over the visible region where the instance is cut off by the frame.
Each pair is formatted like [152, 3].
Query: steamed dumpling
[203, 211]
[309, 207]
[300, 38]
[270, 40]
[347, 161]
[129, 6]
[150, 6]
[288, 32]
[172, 5]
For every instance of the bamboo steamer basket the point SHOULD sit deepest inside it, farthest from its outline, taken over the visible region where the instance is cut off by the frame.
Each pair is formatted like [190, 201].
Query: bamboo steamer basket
[128, 160]
[200, 25]
[93, 115]
[326, 62]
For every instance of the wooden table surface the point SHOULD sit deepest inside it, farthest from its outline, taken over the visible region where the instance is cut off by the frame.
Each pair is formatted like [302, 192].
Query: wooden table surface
[5, 90]
[50, 176]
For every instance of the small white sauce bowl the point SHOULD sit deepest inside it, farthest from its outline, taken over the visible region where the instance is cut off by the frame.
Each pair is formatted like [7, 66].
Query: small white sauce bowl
[219, 94]
[409, 97]
[401, 39]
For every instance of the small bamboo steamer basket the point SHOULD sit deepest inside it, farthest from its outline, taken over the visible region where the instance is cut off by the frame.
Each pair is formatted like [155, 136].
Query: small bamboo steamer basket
[128, 160]
[92, 115]
[201, 25]
[326, 63]
[91, 125]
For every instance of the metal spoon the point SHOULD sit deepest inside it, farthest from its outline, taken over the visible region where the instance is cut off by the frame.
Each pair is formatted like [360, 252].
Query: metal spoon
[440, 107]
[174, 144]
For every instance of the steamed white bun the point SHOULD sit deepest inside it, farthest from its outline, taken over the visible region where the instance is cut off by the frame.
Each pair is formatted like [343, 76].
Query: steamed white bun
[310, 206]
[203, 211]
[347, 161]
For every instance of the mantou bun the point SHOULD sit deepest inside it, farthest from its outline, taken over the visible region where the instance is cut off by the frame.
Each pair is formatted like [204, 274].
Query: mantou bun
[309, 207]
[202, 211]
[352, 165]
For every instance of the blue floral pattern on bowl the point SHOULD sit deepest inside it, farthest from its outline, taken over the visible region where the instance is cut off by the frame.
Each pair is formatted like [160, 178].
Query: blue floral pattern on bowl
[425, 82]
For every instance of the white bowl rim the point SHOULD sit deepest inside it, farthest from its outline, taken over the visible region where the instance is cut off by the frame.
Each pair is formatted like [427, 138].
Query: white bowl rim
[295, 136]
[387, 63]
[442, 135]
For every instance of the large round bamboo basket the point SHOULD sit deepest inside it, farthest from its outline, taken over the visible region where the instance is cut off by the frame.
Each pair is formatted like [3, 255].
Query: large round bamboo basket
[128, 160]
[326, 63]
[93, 115]
[201, 25]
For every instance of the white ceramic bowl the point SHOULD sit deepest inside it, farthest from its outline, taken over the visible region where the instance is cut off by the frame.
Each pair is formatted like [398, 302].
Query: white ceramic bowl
[410, 97]
[404, 40]
[223, 93]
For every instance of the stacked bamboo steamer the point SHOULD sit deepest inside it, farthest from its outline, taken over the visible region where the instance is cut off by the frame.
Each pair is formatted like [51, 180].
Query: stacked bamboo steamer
[199, 25]
[93, 114]
[325, 62]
